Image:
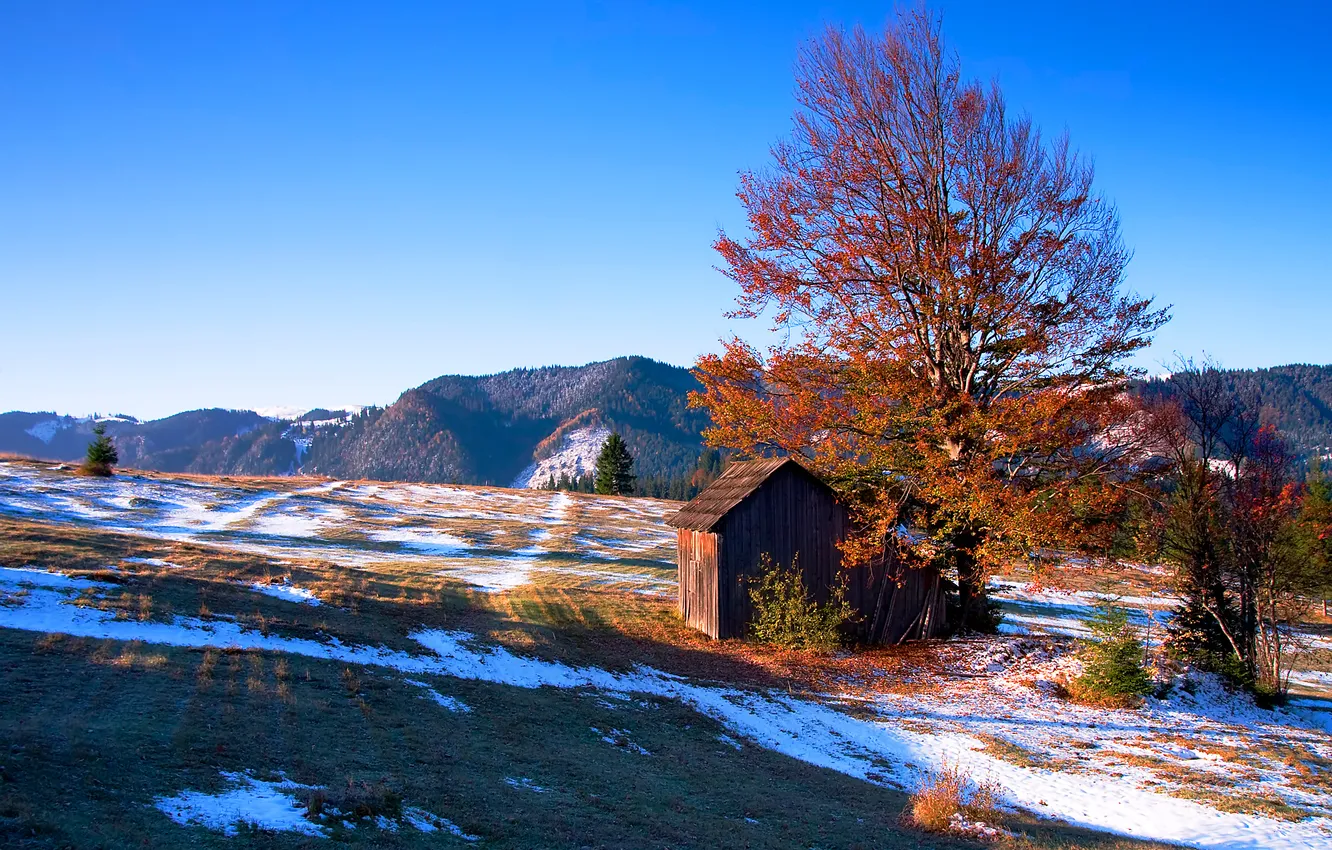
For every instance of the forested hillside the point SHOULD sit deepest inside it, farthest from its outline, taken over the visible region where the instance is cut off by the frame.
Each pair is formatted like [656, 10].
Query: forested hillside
[1297, 399]
[454, 429]
[488, 429]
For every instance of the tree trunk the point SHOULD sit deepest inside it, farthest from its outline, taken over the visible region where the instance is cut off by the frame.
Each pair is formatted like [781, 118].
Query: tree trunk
[971, 590]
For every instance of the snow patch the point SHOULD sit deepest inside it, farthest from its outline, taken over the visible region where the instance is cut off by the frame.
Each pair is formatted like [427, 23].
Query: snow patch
[454, 705]
[44, 578]
[426, 540]
[250, 801]
[152, 562]
[494, 575]
[620, 738]
[46, 430]
[577, 456]
[427, 822]
[289, 592]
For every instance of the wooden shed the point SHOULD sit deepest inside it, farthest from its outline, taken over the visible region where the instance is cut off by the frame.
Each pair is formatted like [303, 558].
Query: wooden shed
[778, 507]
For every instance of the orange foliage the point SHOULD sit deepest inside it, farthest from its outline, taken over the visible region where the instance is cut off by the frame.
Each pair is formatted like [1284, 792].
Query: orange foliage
[951, 291]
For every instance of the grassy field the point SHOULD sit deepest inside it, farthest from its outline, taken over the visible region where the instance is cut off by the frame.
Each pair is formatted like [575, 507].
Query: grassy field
[94, 733]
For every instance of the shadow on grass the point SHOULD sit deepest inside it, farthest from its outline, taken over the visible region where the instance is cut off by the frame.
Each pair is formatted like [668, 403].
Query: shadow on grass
[91, 741]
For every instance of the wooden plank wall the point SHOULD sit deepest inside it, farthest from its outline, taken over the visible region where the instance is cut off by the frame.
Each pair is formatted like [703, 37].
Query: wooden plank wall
[789, 514]
[914, 604]
[697, 569]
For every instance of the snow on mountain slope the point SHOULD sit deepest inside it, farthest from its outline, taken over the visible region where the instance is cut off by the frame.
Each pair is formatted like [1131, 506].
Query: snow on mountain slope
[578, 456]
[290, 413]
[46, 430]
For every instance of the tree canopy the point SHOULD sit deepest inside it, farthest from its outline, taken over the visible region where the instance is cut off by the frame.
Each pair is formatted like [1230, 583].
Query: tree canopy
[950, 291]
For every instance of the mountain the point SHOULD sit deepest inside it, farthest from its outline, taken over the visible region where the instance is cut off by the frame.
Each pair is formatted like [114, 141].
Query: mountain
[519, 428]
[492, 428]
[173, 444]
[514, 426]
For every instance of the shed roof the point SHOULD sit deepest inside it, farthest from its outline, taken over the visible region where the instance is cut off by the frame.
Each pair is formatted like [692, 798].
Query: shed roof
[736, 484]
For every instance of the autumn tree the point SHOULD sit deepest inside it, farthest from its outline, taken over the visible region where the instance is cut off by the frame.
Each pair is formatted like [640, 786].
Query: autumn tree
[948, 291]
[1272, 574]
[1316, 527]
[1239, 527]
[1191, 429]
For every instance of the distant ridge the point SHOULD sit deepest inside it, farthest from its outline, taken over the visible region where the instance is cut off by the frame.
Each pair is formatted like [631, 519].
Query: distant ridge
[1296, 398]
[463, 429]
[489, 429]
[518, 426]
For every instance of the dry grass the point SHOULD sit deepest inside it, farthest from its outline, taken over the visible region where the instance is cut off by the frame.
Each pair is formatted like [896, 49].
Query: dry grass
[352, 801]
[1240, 803]
[1074, 690]
[1012, 753]
[949, 793]
[204, 675]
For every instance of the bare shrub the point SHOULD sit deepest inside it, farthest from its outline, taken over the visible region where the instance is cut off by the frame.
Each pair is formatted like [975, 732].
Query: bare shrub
[255, 680]
[204, 676]
[351, 682]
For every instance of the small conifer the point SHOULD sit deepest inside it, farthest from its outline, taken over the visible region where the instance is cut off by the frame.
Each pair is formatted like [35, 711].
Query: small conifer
[1113, 672]
[614, 474]
[102, 454]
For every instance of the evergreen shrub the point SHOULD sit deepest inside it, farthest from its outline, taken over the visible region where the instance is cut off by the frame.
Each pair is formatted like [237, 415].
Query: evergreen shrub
[1113, 674]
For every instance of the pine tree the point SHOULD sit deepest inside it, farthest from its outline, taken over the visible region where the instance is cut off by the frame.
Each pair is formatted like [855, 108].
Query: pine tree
[102, 454]
[1113, 673]
[614, 475]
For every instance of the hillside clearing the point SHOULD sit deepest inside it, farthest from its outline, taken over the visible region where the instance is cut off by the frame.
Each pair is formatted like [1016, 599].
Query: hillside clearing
[168, 630]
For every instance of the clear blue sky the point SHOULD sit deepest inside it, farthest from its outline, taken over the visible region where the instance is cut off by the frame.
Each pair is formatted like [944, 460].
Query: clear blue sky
[247, 204]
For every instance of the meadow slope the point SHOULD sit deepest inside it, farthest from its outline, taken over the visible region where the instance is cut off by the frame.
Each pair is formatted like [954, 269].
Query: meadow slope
[287, 661]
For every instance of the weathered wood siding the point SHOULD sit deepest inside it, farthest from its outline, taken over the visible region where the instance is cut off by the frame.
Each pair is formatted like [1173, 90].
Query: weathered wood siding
[914, 603]
[791, 516]
[697, 551]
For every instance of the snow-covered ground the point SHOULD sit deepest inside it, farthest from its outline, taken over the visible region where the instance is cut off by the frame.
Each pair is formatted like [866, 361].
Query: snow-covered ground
[1037, 609]
[490, 538]
[1125, 771]
[577, 456]
[1161, 771]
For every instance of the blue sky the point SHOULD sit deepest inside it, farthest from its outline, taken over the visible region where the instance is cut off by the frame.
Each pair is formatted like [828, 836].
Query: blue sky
[248, 204]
